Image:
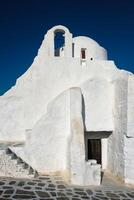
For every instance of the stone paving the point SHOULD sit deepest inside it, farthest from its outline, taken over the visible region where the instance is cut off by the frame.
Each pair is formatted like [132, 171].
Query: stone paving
[53, 188]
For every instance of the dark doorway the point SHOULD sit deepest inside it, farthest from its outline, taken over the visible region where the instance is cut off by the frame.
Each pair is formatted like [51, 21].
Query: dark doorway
[94, 149]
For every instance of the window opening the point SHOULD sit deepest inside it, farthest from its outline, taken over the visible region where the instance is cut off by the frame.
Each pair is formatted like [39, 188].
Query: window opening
[83, 53]
[73, 50]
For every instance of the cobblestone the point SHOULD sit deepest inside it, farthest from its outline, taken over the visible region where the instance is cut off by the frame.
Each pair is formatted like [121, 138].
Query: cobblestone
[54, 188]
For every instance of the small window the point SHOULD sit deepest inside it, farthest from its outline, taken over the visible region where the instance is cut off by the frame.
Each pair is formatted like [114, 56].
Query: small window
[73, 50]
[83, 53]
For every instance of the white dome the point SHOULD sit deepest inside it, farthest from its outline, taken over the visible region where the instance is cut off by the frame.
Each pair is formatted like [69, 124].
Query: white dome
[93, 50]
[85, 39]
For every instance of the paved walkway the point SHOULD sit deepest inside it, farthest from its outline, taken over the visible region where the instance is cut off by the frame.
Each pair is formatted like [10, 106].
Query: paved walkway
[53, 188]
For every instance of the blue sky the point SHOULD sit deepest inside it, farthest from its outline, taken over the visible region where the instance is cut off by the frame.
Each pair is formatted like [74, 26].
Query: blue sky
[23, 24]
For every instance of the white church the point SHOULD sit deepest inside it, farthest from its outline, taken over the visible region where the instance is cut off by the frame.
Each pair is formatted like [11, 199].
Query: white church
[70, 114]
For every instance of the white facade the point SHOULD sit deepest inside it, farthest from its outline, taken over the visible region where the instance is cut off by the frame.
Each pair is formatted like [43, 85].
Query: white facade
[72, 111]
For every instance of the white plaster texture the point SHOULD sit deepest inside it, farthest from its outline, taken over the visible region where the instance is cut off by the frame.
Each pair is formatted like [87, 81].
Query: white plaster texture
[97, 101]
[130, 107]
[116, 158]
[129, 160]
[129, 137]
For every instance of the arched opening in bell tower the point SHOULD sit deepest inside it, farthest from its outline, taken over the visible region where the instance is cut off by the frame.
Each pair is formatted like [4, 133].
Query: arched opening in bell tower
[59, 42]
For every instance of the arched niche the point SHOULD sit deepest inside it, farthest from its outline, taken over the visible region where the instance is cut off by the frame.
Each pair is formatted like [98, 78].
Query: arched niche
[50, 40]
[59, 43]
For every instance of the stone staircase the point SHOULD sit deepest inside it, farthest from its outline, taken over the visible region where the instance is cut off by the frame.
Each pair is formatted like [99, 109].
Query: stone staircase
[13, 166]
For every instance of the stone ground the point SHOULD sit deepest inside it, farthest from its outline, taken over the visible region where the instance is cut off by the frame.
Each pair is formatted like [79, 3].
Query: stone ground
[53, 188]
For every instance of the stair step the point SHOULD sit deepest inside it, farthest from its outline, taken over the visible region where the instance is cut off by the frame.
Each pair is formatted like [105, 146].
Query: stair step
[36, 174]
[20, 161]
[13, 166]
[8, 151]
[25, 166]
[14, 156]
[31, 170]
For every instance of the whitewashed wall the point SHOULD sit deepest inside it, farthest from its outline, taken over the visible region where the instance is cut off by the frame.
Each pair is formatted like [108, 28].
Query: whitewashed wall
[129, 137]
[116, 158]
[23, 105]
[98, 104]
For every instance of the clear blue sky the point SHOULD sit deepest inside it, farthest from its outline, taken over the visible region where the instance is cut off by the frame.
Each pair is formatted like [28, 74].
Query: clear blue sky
[23, 24]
